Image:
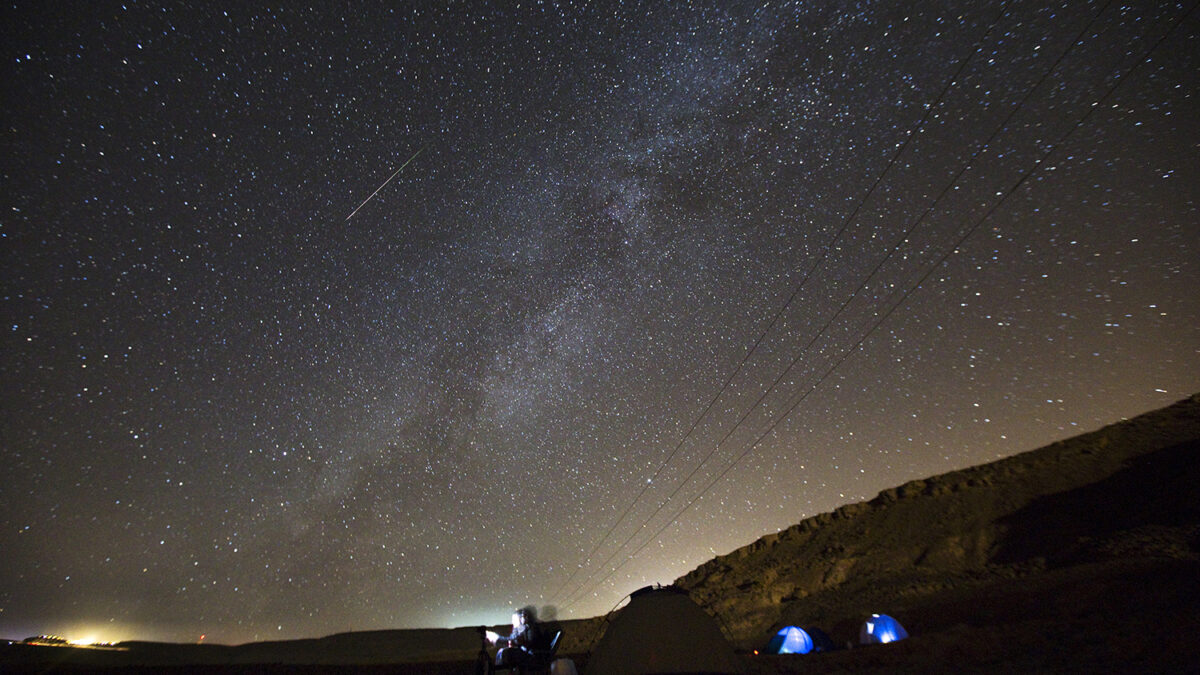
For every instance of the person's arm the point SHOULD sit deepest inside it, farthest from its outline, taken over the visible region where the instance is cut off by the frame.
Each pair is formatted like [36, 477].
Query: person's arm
[511, 640]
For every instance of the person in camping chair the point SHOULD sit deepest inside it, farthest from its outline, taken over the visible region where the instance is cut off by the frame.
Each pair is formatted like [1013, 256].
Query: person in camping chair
[517, 648]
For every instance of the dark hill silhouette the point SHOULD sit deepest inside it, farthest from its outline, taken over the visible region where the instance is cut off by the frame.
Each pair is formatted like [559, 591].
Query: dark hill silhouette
[1086, 549]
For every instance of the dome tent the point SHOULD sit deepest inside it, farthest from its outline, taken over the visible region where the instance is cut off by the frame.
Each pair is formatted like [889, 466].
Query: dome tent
[821, 640]
[881, 629]
[662, 630]
[790, 640]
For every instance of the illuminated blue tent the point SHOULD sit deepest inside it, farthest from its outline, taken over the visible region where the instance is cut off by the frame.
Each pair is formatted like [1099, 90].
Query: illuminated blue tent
[790, 640]
[881, 629]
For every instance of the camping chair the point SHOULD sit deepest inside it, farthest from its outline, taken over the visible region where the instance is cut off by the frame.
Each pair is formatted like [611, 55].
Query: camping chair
[543, 656]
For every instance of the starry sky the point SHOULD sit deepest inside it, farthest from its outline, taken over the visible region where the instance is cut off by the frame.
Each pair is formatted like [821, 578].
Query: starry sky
[657, 279]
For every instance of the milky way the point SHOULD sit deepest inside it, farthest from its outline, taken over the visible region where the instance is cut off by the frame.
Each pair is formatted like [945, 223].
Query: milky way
[661, 280]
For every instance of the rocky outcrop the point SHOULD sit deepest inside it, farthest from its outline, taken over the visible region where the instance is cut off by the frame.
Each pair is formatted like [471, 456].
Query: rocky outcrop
[1126, 492]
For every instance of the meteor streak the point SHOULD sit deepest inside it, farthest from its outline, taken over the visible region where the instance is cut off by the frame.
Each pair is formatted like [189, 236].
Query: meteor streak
[384, 183]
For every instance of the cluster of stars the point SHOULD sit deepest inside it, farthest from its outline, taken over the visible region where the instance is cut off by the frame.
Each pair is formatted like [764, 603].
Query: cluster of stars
[229, 410]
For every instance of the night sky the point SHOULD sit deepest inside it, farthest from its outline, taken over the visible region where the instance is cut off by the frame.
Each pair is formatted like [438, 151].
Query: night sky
[656, 280]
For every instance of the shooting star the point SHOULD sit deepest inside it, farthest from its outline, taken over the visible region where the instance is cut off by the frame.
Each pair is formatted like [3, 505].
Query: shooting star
[410, 159]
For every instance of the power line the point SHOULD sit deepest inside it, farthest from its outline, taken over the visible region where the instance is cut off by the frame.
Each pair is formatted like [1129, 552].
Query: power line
[938, 263]
[976, 47]
[838, 313]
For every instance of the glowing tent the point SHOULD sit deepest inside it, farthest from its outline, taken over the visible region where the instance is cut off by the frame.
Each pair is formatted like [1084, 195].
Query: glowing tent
[662, 630]
[881, 629]
[790, 640]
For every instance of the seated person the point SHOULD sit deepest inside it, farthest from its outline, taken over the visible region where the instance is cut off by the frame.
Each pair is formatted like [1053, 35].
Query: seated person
[517, 648]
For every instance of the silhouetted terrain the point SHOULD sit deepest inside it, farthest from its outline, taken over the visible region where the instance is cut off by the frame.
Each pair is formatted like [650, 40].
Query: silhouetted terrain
[1080, 556]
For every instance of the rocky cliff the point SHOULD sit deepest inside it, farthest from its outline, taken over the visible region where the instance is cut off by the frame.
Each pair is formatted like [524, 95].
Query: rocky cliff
[984, 544]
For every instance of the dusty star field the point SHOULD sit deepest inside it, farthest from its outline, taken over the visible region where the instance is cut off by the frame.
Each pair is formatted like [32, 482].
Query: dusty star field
[657, 279]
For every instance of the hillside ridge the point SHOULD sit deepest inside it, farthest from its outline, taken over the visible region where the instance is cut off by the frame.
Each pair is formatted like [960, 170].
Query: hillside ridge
[1121, 494]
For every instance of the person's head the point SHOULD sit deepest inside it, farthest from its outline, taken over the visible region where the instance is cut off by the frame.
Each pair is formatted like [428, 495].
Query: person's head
[524, 616]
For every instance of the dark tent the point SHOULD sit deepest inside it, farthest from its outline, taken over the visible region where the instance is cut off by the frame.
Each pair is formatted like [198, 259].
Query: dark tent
[662, 630]
[821, 640]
